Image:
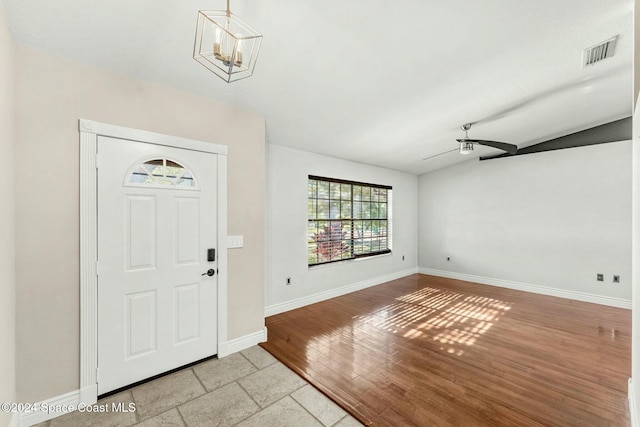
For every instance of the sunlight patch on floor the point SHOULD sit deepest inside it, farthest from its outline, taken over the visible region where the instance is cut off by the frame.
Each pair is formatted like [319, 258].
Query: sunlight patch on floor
[451, 319]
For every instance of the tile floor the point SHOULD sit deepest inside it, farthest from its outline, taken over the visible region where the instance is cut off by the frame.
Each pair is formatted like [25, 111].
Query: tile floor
[250, 388]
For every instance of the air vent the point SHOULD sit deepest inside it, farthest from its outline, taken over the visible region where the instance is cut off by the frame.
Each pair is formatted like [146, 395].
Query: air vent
[597, 53]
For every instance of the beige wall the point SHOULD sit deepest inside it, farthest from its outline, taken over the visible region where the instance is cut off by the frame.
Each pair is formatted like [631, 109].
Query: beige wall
[7, 221]
[51, 95]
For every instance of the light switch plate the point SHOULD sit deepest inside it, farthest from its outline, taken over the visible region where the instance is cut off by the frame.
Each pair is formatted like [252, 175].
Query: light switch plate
[235, 242]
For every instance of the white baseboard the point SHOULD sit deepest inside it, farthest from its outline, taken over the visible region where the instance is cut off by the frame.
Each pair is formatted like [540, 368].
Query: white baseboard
[238, 344]
[633, 414]
[89, 394]
[322, 296]
[544, 290]
[49, 409]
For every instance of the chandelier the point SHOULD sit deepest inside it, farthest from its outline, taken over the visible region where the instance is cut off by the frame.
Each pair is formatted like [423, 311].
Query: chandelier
[226, 45]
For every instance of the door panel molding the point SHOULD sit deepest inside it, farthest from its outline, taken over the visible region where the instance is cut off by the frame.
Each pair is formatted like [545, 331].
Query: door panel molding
[89, 133]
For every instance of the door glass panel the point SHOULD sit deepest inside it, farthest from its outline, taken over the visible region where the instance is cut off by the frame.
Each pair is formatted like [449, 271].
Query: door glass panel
[161, 173]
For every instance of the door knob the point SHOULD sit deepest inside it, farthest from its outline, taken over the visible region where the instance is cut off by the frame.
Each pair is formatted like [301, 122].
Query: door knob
[210, 272]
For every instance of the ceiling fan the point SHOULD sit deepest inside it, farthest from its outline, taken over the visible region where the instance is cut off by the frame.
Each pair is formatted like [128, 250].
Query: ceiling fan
[466, 144]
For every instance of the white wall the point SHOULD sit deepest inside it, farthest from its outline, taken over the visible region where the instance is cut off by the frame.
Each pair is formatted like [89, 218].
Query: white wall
[634, 389]
[51, 95]
[288, 170]
[7, 221]
[552, 219]
[634, 385]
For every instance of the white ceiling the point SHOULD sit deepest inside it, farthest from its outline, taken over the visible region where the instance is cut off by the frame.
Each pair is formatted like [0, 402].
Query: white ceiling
[383, 83]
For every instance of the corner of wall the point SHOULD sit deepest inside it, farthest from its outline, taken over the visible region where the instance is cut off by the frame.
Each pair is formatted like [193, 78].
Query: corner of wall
[633, 410]
[7, 222]
[242, 343]
[634, 395]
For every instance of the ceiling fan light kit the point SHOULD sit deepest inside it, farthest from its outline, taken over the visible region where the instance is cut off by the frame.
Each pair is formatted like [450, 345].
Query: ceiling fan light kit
[465, 147]
[226, 45]
[466, 144]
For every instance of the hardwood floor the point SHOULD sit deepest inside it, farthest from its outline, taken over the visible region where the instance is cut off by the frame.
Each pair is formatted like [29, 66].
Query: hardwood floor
[429, 351]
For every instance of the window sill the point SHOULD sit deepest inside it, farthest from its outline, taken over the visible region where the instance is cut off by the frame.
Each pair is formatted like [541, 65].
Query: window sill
[348, 261]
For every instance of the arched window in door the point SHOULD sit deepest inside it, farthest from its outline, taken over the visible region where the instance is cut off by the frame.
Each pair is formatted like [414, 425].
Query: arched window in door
[161, 173]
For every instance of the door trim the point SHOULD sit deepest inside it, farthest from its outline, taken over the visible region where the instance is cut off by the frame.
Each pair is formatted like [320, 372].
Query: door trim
[89, 132]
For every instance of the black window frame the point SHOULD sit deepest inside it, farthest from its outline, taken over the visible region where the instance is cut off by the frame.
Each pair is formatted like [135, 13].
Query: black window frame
[329, 230]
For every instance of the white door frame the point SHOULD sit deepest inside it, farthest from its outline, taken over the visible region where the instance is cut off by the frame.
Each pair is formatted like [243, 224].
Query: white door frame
[89, 132]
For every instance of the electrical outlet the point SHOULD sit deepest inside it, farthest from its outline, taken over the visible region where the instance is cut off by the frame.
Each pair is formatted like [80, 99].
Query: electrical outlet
[288, 281]
[600, 277]
[616, 278]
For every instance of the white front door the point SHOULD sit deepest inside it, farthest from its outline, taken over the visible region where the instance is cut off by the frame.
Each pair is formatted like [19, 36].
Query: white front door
[156, 238]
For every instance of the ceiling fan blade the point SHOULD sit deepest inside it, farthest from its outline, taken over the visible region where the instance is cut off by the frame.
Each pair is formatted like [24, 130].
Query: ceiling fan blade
[509, 148]
[436, 155]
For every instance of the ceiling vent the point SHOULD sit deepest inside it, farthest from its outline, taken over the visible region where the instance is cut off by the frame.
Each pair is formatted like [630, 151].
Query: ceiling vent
[597, 53]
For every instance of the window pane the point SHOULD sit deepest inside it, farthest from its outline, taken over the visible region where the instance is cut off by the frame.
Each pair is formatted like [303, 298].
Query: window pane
[357, 192]
[383, 195]
[382, 229]
[185, 181]
[322, 225]
[357, 210]
[345, 191]
[335, 209]
[323, 209]
[311, 208]
[366, 226]
[366, 246]
[366, 193]
[153, 168]
[366, 210]
[345, 209]
[383, 211]
[139, 176]
[323, 190]
[329, 241]
[357, 229]
[374, 194]
[162, 181]
[375, 211]
[312, 188]
[312, 229]
[346, 251]
[335, 190]
[174, 171]
[374, 228]
[357, 247]
[313, 253]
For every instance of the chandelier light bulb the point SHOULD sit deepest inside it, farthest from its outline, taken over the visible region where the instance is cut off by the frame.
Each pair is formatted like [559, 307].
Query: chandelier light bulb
[238, 61]
[217, 49]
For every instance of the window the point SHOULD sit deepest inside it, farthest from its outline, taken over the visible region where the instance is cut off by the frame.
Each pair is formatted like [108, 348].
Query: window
[347, 220]
[161, 173]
